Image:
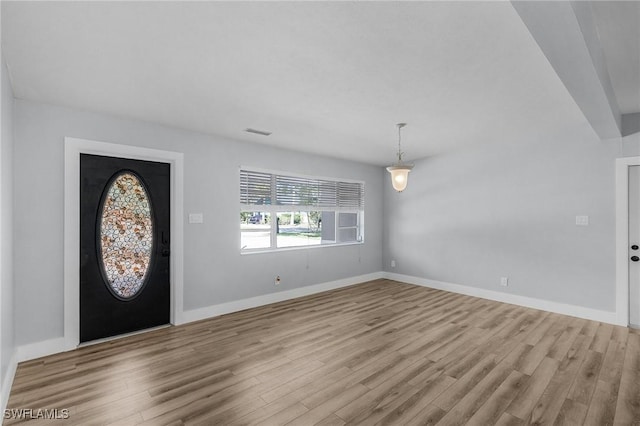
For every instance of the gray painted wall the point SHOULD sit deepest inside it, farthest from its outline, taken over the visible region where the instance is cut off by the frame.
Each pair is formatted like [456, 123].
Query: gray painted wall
[508, 209]
[6, 228]
[630, 145]
[215, 271]
[468, 217]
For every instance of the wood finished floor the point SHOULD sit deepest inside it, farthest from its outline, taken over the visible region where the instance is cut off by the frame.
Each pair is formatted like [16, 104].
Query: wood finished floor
[381, 352]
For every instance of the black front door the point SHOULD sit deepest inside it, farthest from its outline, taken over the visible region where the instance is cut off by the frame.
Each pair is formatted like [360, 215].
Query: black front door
[124, 245]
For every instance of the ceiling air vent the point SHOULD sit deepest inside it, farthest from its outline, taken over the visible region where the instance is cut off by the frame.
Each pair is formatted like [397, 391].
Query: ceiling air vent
[257, 132]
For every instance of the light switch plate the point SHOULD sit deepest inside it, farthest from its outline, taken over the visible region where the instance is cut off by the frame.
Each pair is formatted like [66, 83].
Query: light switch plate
[582, 220]
[196, 218]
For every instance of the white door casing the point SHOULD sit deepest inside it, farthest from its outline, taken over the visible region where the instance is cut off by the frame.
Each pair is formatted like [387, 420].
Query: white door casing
[633, 248]
[73, 147]
[623, 166]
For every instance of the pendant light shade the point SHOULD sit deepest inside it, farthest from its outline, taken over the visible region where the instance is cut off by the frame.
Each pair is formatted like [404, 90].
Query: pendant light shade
[399, 176]
[400, 171]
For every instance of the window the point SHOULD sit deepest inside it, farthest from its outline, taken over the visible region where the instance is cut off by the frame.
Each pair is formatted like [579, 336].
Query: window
[285, 211]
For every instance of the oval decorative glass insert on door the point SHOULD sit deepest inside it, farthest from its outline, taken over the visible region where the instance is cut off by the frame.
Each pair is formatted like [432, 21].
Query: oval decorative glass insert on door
[126, 235]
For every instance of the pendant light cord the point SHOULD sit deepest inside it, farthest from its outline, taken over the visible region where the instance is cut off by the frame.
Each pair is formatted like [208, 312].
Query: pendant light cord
[400, 126]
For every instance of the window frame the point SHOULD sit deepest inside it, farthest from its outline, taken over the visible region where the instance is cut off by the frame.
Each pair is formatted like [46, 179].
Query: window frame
[273, 210]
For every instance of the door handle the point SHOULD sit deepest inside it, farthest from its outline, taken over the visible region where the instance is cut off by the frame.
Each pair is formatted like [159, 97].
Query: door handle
[635, 258]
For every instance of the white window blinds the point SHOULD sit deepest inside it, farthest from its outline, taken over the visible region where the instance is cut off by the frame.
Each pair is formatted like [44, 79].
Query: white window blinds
[259, 188]
[255, 188]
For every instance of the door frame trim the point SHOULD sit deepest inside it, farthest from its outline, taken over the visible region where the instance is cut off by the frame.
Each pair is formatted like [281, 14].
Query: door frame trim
[622, 237]
[73, 147]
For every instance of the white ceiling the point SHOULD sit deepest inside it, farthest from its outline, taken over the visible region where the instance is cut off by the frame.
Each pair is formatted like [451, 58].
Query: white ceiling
[330, 78]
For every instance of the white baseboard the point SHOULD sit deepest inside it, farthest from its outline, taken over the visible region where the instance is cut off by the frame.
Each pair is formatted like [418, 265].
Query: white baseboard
[58, 345]
[529, 302]
[8, 381]
[26, 353]
[240, 305]
[44, 348]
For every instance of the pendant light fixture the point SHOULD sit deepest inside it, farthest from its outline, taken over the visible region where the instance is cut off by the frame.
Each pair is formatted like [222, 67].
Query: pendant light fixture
[400, 171]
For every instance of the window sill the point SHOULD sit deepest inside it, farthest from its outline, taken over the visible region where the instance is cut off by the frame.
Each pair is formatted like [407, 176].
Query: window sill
[316, 246]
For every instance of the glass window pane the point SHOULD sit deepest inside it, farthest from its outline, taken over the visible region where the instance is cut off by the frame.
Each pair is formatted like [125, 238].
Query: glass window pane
[255, 230]
[296, 229]
[126, 235]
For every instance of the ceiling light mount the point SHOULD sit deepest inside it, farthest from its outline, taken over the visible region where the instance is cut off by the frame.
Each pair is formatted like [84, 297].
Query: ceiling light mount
[399, 170]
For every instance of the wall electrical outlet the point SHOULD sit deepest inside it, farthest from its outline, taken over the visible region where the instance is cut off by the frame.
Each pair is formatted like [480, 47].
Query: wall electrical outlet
[504, 281]
[393, 263]
[277, 281]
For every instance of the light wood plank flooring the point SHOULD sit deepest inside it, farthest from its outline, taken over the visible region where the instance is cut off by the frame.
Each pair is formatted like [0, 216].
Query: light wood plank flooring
[381, 352]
